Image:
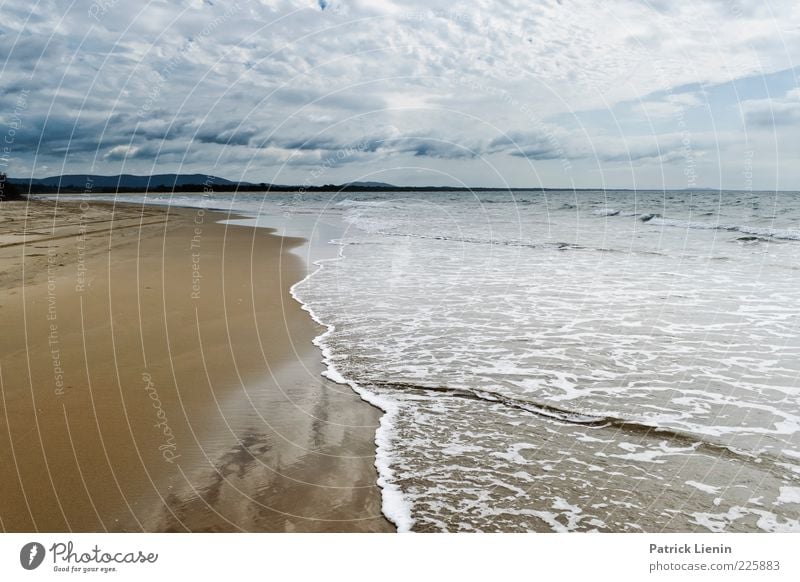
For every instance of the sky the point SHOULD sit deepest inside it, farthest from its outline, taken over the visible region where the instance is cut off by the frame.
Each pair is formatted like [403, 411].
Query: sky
[506, 93]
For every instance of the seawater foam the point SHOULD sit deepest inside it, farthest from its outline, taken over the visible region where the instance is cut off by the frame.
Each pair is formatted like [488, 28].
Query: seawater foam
[394, 506]
[654, 340]
[773, 233]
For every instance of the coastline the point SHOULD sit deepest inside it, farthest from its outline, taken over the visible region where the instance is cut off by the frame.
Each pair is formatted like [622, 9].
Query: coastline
[394, 505]
[159, 376]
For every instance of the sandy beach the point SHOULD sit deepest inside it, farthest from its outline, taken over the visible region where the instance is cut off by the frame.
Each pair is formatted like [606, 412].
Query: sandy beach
[156, 375]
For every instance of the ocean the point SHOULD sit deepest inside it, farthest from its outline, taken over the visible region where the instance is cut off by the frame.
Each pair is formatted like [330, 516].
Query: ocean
[558, 360]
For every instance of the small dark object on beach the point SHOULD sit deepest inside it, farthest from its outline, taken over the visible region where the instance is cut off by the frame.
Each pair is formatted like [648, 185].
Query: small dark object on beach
[7, 190]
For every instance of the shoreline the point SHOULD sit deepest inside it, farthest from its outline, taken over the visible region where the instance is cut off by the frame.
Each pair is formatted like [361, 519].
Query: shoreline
[190, 395]
[394, 505]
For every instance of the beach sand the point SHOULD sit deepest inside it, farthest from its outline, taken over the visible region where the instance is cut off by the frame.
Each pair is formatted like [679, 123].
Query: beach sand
[156, 375]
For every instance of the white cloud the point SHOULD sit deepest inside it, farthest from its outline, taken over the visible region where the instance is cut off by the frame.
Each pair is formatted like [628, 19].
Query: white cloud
[669, 106]
[774, 113]
[120, 152]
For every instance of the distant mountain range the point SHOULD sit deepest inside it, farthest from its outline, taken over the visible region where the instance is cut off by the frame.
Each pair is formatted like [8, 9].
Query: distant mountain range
[71, 183]
[129, 183]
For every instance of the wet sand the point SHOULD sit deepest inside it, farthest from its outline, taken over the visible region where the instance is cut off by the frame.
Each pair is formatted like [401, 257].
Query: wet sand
[156, 375]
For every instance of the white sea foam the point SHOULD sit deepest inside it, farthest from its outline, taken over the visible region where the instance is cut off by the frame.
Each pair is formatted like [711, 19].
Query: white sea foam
[710, 489]
[765, 232]
[419, 302]
[789, 495]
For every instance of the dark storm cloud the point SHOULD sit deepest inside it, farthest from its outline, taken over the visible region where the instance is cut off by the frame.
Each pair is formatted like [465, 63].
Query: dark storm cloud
[229, 137]
[434, 148]
[415, 145]
[533, 146]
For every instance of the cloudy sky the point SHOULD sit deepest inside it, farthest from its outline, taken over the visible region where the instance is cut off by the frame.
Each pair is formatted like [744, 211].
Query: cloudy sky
[561, 93]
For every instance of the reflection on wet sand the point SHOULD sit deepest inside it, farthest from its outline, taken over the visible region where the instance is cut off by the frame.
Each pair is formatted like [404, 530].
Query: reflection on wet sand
[302, 466]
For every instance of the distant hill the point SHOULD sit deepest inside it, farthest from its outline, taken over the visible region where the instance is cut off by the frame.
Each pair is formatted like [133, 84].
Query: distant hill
[123, 181]
[74, 183]
[369, 185]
